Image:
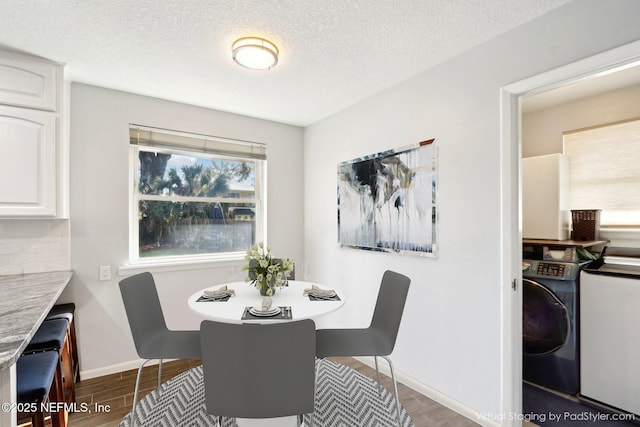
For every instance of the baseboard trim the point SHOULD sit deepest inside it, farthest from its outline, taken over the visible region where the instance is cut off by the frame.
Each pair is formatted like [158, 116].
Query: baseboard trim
[117, 368]
[431, 393]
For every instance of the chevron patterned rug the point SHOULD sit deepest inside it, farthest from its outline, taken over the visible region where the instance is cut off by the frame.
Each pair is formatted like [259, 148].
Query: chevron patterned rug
[344, 398]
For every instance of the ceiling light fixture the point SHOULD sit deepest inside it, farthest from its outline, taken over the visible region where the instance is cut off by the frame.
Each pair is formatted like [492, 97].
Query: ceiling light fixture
[255, 53]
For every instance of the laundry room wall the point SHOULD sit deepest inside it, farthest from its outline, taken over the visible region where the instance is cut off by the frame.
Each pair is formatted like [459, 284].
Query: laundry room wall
[450, 341]
[542, 129]
[542, 134]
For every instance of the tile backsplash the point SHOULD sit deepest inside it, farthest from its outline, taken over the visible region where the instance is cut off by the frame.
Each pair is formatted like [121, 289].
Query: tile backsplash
[34, 246]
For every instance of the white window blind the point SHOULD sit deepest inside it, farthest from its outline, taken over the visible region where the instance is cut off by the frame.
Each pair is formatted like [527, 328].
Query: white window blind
[605, 171]
[164, 138]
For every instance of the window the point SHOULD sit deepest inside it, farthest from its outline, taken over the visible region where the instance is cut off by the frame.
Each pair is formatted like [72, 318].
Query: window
[605, 171]
[194, 197]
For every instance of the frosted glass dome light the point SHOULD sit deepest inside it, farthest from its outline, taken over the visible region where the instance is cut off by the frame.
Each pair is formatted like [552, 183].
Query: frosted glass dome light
[255, 53]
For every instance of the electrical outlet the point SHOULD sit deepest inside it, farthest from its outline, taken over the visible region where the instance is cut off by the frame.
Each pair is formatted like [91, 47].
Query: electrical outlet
[105, 272]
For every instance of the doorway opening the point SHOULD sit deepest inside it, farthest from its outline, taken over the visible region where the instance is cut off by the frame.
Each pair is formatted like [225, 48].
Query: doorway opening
[570, 82]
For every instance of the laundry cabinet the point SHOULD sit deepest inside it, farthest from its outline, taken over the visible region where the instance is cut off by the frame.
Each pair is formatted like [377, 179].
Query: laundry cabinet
[30, 135]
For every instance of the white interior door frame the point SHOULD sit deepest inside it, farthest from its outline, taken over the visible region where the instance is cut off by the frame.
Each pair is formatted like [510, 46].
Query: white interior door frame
[511, 205]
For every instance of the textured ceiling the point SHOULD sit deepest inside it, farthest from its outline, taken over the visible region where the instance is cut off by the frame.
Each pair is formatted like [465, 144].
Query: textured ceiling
[334, 53]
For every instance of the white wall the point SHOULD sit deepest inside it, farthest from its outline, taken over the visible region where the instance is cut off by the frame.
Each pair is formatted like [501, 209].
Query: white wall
[99, 180]
[542, 129]
[450, 340]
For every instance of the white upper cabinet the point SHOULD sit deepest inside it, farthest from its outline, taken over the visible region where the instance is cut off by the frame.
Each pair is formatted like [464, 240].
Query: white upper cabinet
[28, 160]
[28, 84]
[30, 89]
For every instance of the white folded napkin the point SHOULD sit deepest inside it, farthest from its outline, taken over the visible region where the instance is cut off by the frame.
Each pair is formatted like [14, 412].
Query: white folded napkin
[220, 292]
[266, 303]
[318, 292]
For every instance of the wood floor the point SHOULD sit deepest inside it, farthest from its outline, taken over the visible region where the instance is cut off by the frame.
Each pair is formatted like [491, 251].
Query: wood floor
[108, 399]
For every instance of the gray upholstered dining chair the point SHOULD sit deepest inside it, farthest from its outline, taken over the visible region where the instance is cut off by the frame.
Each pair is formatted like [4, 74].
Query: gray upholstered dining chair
[261, 371]
[378, 340]
[152, 338]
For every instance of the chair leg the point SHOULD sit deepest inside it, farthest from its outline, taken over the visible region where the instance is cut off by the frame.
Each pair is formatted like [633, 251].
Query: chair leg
[37, 420]
[74, 350]
[315, 390]
[159, 375]
[56, 394]
[135, 392]
[67, 369]
[375, 360]
[395, 388]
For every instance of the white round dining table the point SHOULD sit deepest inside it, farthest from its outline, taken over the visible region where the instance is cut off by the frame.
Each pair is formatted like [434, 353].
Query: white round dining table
[246, 295]
[288, 297]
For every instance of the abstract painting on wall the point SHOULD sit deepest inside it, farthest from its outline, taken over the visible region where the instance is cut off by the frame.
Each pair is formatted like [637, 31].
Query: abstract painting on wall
[387, 201]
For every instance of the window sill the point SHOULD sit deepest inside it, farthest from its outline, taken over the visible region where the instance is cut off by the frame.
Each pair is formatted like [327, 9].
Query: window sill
[180, 265]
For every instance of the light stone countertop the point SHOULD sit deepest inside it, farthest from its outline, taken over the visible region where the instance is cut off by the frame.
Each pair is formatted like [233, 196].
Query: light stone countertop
[25, 301]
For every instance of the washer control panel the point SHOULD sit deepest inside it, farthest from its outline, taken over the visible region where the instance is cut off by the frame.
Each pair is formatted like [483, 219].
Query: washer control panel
[551, 270]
